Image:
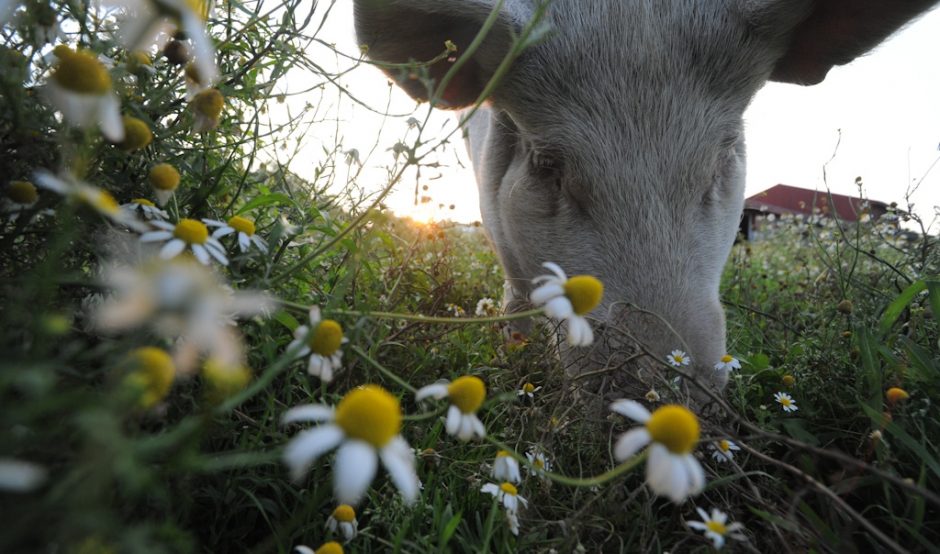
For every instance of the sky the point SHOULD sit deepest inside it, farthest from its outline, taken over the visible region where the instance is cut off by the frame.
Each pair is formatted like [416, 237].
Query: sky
[877, 118]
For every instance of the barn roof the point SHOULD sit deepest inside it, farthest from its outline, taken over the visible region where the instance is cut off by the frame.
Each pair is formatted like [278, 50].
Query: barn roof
[784, 199]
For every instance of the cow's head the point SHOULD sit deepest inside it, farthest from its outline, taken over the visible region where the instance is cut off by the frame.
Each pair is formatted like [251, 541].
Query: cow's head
[614, 147]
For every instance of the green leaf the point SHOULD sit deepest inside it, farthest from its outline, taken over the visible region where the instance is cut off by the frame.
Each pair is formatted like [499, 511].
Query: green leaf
[266, 200]
[895, 308]
[759, 361]
[933, 285]
[287, 320]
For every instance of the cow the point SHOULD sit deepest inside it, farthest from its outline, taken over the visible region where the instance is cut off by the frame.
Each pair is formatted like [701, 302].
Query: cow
[613, 145]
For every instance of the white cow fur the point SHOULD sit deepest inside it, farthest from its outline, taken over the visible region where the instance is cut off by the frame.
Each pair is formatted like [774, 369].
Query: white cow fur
[615, 147]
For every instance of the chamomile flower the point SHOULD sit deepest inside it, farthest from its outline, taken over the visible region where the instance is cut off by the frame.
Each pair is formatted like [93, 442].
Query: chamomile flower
[245, 229]
[137, 134]
[165, 179]
[569, 300]
[672, 432]
[723, 450]
[786, 401]
[188, 233]
[678, 358]
[145, 208]
[538, 463]
[506, 468]
[151, 374]
[466, 394]
[322, 341]
[80, 88]
[207, 108]
[365, 426]
[716, 527]
[727, 363]
[507, 494]
[344, 520]
[87, 195]
[331, 547]
[486, 307]
[18, 197]
[528, 390]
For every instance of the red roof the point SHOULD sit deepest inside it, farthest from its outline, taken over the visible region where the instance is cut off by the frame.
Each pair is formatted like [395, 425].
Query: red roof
[784, 199]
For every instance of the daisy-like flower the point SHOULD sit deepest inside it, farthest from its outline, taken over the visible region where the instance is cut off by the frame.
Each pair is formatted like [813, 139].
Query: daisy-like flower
[528, 390]
[486, 307]
[672, 432]
[137, 134]
[506, 468]
[245, 229]
[187, 233]
[151, 374]
[365, 426]
[90, 196]
[569, 300]
[322, 341]
[727, 363]
[152, 22]
[716, 527]
[678, 358]
[786, 401]
[538, 463]
[331, 547]
[80, 88]
[145, 208]
[207, 108]
[226, 377]
[18, 196]
[507, 494]
[344, 520]
[20, 476]
[723, 450]
[164, 178]
[139, 63]
[466, 394]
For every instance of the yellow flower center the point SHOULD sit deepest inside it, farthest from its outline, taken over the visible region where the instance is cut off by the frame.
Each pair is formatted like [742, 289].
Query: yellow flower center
[326, 338]
[331, 547]
[22, 192]
[788, 380]
[896, 394]
[137, 134]
[226, 378]
[152, 373]
[509, 488]
[503, 454]
[137, 60]
[584, 292]
[724, 445]
[716, 527]
[242, 225]
[164, 177]
[467, 393]
[538, 462]
[678, 358]
[100, 200]
[726, 358]
[143, 202]
[675, 427]
[345, 513]
[80, 71]
[370, 414]
[191, 231]
[528, 388]
[208, 103]
[785, 400]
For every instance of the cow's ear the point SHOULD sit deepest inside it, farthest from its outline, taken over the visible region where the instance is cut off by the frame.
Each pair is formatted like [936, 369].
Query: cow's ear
[838, 31]
[403, 31]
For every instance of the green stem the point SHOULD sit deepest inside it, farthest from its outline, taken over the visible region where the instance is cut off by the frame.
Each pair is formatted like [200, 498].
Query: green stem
[382, 369]
[422, 318]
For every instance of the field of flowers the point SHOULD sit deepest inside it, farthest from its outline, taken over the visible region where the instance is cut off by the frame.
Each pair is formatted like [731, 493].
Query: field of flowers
[202, 351]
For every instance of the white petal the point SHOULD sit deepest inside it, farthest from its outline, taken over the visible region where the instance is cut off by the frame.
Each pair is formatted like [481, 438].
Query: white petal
[45, 179]
[556, 269]
[172, 249]
[315, 365]
[20, 476]
[307, 446]
[436, 390]
[244, 241]
[545, 293]
[695, 474]
[203, 51]
[353, 471]
[260, 243]
[201, 254]
[478, 428]
[314, 316]
[303, 550]
[630, 443]
[109, 117]
[398, 459]
[326, 375]
[300, 333]
[156, 236]
[465, 431]
[579, 331]
[163, 196]
[490, 488]
[632, 409]
[222, 231]
[307, 412]
[559, 308]
[452, 425]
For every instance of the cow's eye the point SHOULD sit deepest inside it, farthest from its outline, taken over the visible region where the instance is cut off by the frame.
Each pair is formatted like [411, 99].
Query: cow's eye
[546, 164]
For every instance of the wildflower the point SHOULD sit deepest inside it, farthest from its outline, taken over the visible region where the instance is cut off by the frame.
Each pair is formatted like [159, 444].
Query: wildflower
[716, 527]
[678, 358]
[187, 233]
[145, 208]
[458, 311]
[528, 390]
[896, 395]
[93, 197]
[331, 547]
[538, 463]
[152, 373]
[80, 88]
[20, 476]
[164, 178]
[21, 193]
[466, 394]
[673, 430]
[516, 342]
[785, 401]
[651, 396]
[344, 520]
[486, 307]
[245, 229]
[321, 341]
[207, 108]
[876, 436]
[152, 22]
[137, 134]
[506, 468]
[788, 380]
[727, 363]
[225, 376]
[365, 426]
[507, 494]
[139, 63]
[723, 450]
[569, 300]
